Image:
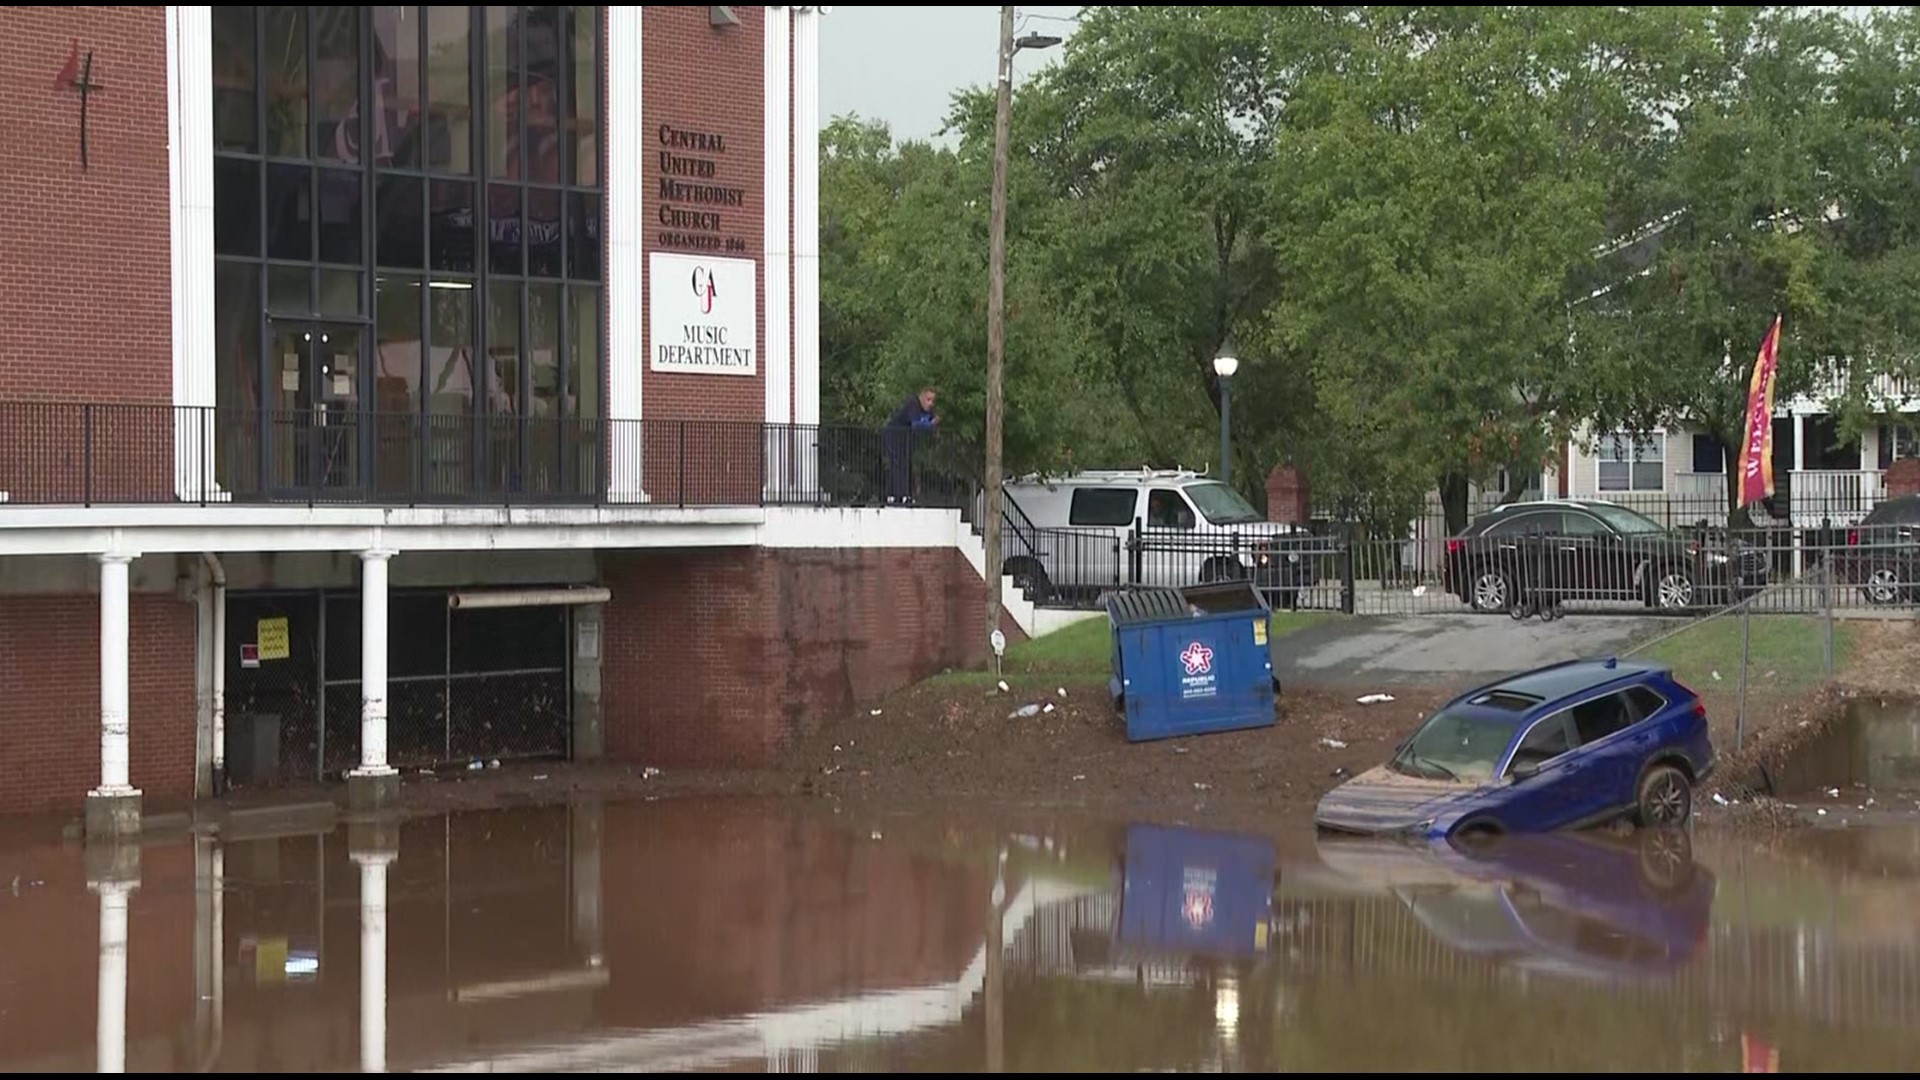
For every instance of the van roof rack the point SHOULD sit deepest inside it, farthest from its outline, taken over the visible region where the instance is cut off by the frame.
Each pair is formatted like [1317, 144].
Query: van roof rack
[1142, 473]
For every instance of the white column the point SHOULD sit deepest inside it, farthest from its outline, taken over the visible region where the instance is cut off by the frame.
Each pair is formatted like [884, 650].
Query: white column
[110, 1034]
[806, 242]
[189, 45]
[373, 959]
[625, 135]
[776, 68]
[587, 936]
[373, 664]
[806, 215]
[114, 755]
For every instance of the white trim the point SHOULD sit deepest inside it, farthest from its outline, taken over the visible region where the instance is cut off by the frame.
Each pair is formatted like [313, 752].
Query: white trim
[777, 253]
[625, 187]
[190, 227]
[806, 215]
[163, 530]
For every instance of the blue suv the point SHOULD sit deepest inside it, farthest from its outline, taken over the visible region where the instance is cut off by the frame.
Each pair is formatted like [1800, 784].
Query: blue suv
[1571, 745]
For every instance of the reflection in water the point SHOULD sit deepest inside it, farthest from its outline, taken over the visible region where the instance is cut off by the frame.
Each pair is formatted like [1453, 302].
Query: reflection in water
[737, 935]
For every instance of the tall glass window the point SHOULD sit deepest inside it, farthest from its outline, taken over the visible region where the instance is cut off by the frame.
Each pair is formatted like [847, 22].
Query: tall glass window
[407, 228]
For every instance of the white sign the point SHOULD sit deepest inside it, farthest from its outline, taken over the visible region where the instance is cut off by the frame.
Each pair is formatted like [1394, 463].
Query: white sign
[703, 315]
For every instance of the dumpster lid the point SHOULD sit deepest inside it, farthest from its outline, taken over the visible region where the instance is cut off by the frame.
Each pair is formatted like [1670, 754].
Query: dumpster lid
[1136, 606]
[1226, 598]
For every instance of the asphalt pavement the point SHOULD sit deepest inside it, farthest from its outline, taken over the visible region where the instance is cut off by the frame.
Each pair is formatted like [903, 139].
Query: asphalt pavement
[1444, 650]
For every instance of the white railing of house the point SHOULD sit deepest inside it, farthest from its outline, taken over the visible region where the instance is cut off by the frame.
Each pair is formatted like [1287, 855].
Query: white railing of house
[1834, 496]
[1701, 487]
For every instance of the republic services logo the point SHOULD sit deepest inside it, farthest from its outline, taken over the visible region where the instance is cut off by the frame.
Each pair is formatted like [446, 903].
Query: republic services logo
[703, 289]
[1197, 658]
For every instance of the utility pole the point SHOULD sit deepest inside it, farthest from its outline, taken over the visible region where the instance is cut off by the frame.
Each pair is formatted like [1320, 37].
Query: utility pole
[997, 313]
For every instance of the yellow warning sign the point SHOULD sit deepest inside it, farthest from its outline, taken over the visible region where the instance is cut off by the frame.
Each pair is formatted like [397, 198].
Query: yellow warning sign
[272, 635]
[1259, 631]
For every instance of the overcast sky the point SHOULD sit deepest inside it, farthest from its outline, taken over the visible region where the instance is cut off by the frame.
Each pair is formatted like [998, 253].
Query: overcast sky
[902, 64]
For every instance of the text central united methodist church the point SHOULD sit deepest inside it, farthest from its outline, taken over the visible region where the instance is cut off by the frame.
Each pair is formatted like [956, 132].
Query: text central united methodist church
[394, 387]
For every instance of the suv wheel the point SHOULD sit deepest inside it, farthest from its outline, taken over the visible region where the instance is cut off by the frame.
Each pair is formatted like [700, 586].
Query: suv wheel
[1492, 590]
[1882, 586]
[1665, 797]
[1672, 590]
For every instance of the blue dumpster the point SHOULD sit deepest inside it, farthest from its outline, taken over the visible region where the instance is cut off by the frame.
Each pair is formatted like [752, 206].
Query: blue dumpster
[1196, 893]
[1191, 661]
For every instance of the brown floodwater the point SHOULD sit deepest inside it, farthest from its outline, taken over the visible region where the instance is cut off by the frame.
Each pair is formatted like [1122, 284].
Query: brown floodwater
[746, 935]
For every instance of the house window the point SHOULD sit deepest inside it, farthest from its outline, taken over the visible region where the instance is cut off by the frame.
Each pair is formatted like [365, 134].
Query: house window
[1630, 463]
[1898, 441]
[1709, 455]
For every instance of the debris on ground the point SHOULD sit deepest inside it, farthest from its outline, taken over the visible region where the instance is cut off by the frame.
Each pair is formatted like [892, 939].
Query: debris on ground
[1004, 688]
[1333, 744]
[1024, 712]
[649, 773]
[876, 712]
[1374, 699]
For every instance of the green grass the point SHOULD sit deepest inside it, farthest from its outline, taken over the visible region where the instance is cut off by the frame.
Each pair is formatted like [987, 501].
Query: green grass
[1083, 653]
[1786, 652]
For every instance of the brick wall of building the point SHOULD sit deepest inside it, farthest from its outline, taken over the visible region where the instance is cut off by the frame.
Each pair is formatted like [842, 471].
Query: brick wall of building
[50, 712]
[82, 243]
[725, 656]
[701, 78]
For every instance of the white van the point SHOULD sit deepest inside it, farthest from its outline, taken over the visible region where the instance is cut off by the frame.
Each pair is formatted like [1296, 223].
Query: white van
[1094, 531]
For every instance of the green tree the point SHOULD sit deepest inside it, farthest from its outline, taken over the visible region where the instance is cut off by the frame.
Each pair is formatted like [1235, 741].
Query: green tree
[1749, 193]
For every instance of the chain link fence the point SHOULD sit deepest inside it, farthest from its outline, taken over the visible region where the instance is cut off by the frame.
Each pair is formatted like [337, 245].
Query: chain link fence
[1768, 670]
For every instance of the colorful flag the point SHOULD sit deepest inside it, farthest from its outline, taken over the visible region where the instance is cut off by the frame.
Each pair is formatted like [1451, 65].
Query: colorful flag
[1756, 449]
[1758, 1055]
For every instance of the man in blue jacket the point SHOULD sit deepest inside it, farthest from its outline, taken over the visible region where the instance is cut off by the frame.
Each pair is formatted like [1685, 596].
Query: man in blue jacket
[914, 417]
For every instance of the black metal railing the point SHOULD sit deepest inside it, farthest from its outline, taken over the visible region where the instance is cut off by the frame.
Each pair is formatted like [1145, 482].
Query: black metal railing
[1672, 571]
[115, 454]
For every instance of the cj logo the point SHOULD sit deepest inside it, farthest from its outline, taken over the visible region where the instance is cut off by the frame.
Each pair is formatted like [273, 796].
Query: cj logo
[703, 288]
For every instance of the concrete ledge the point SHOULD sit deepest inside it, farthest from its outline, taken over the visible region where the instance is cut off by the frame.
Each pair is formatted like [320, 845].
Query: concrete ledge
[113, 865]
[266, 822]
[112, 818]
[373, 793]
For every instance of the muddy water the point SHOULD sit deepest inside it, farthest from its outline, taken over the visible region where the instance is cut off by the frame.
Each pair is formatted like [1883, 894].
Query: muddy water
[741, 936]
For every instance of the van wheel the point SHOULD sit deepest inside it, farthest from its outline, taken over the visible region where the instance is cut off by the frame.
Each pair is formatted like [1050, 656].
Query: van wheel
[1214, 570]
[1665, 798]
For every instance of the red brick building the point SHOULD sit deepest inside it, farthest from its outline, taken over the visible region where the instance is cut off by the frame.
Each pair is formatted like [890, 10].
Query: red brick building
[395, 386]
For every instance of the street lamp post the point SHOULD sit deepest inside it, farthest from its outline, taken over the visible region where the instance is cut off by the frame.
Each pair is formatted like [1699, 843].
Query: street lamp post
[1224, 366]
[997, 298]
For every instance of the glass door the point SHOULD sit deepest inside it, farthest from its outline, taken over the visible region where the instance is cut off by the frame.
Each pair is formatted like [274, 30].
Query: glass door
[316, 430]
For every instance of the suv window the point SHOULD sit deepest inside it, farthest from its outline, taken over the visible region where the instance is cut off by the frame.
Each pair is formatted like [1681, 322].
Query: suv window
[1601, 717]
[1548, 740]
[1167, 510]
[1525, 524]
[1575, 523]
[1102, 506]
[1645, 702]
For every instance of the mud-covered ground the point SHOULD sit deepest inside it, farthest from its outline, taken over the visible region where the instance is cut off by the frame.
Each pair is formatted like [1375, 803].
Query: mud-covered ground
[965, 744]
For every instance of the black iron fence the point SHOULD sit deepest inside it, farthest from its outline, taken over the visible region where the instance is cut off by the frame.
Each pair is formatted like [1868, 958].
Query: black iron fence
[1678, 571]
[91, 455]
